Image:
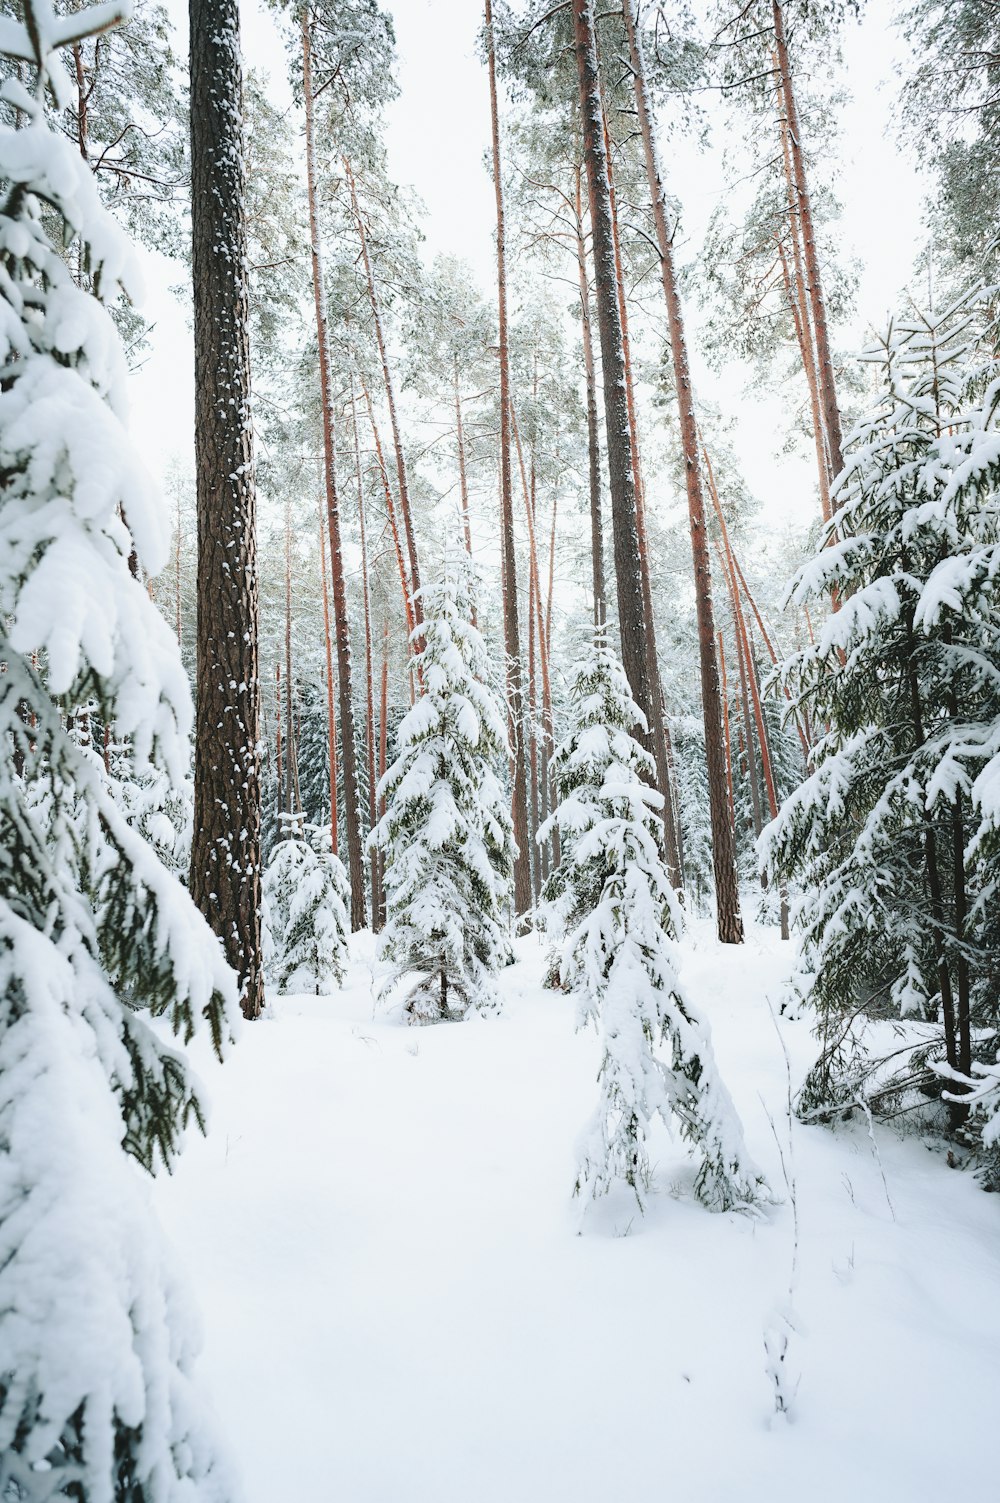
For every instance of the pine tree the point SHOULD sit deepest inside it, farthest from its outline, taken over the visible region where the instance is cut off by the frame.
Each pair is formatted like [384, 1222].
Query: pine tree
[892, 839]
[96, 937]
[305, 912]
[613, 902]
[447, 832]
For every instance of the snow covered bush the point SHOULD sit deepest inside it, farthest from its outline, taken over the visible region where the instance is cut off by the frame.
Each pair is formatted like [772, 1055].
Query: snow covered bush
[613, 902]
[96, 1344]
[892, 840]
[447, 834]
[306, 901]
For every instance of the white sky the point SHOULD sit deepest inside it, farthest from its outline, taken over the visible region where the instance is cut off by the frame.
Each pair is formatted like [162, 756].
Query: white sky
[437, 140]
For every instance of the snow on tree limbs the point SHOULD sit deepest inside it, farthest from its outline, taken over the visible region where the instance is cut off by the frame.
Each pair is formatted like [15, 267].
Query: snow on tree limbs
[612, 906]
[893, 838]
[95, 934]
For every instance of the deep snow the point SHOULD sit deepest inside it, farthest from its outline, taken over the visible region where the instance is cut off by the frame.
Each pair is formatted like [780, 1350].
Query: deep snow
[399, 1308]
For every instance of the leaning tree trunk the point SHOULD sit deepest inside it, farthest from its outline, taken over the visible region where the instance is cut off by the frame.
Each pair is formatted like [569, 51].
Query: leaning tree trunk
[824, 360]
[348, 760]
[511, 629]
[225, 851]
[413, 567]
[621, 475]
[730, 924]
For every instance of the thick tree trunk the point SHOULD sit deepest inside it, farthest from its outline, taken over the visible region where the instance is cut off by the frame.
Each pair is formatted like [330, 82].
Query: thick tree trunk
[413, 567]
[824, 361]
[225, 851]
[725, 727]
[730, 924]
[658, 727]
[352, 822]
[632, 620]
[512, 643]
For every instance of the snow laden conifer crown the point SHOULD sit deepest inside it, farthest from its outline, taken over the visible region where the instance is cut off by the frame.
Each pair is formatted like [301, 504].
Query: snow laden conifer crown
[96, 1338]
[612, 903]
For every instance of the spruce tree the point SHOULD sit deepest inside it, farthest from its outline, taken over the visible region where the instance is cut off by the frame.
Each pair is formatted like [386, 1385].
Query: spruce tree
[613, 903]
[96, 937]
[306, 906]
[892, 839]
[447, 832]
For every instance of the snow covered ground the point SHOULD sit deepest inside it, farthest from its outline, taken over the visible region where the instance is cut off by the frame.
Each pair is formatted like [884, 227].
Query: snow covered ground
[400, 1307]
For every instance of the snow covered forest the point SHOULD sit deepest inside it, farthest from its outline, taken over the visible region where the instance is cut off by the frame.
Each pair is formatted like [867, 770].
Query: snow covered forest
[500, 796]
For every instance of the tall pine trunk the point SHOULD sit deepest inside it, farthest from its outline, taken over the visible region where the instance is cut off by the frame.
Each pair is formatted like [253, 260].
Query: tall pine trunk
[331, 721]
[512, 637]
[817, 302]
[621, 475]
[658, 727]
[369, 676]
[348, 762]
[413, 567]
[593, 441]
[225, 850]
[729, 922]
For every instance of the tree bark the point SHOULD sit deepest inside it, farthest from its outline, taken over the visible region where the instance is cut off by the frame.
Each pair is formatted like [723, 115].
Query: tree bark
[225, 851]
[291, 770]
[369, 675]
[730, 924]
[593, 441]
[331, 721]
[824, 361]
[658, 725]
[512, 643]
[348, 764]
[413, 569]
[632, 620]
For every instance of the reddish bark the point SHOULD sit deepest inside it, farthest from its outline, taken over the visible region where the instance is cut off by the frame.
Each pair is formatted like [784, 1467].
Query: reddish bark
[413, 568]
[331, 723]
[342, 628]
[730, 924]
[522, 867]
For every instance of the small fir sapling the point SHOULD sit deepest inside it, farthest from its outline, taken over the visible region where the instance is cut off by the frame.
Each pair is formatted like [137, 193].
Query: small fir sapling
[447, 834]
[96, 1340]
[615, 907]
[306, 903]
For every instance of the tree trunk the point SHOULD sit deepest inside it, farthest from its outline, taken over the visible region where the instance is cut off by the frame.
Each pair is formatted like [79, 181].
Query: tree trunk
[824, 362]
[390, 507]
[725, 727]
[632, 620]
[512, 643]
[413, 569]
[730, 924]
[291, 771]
[383, 741]
[348, 756]
[658, 725]
[331, 722]
[463, 480]
[593, 441]
[225, 851]
[369, 676]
